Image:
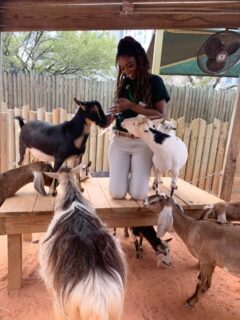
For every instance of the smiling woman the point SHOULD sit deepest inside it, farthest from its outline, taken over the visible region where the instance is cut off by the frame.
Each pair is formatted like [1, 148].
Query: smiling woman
[138, 92]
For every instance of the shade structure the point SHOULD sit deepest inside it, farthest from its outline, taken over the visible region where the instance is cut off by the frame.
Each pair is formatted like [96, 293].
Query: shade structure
[179, 53]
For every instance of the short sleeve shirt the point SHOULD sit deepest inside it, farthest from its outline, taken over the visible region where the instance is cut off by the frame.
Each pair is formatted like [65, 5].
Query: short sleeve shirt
[159, 92]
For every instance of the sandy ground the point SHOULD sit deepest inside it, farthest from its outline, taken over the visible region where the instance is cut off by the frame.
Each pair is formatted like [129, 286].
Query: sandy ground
[151, 293]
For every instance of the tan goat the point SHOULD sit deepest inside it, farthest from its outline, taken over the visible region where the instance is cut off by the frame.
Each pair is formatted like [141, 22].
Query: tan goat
[12, 180]
[222, 211]
[212, 243]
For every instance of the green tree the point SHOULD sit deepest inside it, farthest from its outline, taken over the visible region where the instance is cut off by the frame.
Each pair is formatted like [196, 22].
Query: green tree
[79, 53]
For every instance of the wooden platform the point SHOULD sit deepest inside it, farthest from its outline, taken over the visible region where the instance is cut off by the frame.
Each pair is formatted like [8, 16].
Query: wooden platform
[27, 212]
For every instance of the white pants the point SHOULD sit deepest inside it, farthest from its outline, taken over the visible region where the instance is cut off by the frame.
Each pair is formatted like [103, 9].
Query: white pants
[130, 162]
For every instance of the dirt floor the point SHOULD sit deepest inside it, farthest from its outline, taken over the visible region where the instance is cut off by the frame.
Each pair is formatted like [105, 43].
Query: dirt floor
[151, 293]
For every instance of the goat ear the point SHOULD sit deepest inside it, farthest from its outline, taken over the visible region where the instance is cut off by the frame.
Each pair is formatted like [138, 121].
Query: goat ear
[38, 183]
[80, 103]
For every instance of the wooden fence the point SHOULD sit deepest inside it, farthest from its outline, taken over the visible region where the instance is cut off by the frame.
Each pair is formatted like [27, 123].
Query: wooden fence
[58, 92]
[206, 145]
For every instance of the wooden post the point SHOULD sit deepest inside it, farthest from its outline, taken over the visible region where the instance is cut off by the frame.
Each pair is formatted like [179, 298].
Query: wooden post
[1, 72]
[232, 150]
[4, 152]
[14, 261]
[157, 51]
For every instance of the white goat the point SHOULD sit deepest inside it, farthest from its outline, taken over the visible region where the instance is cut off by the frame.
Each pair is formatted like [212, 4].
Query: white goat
[82, 264]
[12, 180]
[222, 211]
[212, 243]
[169, 152]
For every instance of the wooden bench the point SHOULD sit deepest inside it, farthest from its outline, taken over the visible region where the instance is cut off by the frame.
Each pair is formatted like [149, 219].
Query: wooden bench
[27, 212]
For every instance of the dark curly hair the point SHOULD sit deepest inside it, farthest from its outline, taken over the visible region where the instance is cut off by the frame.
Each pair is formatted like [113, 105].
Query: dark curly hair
[128, 46]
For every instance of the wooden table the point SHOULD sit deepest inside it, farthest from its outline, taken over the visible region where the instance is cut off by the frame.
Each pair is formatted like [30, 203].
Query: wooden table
[28, 212]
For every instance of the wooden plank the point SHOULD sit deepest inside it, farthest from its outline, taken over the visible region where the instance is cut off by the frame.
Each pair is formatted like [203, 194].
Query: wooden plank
[233, 148]
[22, 203]
[115, 203]
[14, 261]
[199, 149]
[192, 149]
[96, 196]
[219, 158]
[186, 138]
[27, 224]
[212, 156]
[2, 226]
[44, 205]
[206, 151]
[193, 196]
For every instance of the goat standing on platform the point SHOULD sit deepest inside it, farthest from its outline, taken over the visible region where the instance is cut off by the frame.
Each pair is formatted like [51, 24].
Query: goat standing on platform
[169, 152]
[82, 264]
[212, 243]
[60, 142]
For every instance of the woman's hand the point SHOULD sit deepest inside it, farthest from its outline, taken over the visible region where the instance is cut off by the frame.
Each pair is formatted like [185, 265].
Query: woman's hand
[121, 105]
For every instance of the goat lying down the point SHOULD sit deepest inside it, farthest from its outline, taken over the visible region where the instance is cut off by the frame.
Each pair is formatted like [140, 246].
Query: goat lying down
[169, 152]
[82, 264]
[12, 180]
[222, 211]
[61, 142]
[212, 243]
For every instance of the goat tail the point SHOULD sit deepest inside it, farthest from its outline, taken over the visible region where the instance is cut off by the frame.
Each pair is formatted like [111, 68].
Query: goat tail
[165, 221]
[97, 297]
[21, 121]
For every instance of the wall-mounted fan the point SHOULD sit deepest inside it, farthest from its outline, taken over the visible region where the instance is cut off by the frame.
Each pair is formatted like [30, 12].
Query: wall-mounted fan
[219, 52]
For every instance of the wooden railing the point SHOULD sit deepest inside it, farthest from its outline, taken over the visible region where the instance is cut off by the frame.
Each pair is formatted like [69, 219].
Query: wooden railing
[49, 92]
[206, 145]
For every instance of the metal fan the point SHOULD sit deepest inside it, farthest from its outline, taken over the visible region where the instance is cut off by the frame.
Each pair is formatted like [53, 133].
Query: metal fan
[219, 52]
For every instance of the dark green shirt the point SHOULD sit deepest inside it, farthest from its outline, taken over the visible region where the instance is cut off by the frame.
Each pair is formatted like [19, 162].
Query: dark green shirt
[159, 92]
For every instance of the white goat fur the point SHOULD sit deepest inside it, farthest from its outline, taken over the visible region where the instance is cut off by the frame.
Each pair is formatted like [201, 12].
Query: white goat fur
[213, 244]
[97, 295]
[171, 155]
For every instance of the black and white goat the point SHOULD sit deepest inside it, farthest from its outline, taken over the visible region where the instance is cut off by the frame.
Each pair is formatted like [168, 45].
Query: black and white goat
[159, 246]
[82, 264]
[63, 141]
[169, 152]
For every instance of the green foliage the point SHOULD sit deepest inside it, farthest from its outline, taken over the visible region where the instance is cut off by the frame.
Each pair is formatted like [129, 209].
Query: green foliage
[79, 53]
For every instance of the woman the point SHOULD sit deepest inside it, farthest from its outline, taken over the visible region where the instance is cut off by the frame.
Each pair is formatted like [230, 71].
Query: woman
[138, 92]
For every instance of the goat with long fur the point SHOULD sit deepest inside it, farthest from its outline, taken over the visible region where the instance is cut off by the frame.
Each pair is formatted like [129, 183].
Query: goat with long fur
[82, 264]
[63, 141]
[12, 180]
[222, 211]
[212, 243]
[169, 152]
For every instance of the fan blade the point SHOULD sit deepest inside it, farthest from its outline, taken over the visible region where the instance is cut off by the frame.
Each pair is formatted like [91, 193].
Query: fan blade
[232, 48]
[213, 47]
[214, 66]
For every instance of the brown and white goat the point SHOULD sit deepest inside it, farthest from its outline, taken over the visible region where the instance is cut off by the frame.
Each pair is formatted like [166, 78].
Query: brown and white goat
[222, 211]
[82, 264]
[12, 180]
[212, 243]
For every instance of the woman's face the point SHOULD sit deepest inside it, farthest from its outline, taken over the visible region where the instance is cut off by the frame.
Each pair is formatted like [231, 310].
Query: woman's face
[128, 66]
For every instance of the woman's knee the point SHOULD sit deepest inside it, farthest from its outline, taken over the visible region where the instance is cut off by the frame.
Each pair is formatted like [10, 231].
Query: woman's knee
[117, 194]
[139, 194]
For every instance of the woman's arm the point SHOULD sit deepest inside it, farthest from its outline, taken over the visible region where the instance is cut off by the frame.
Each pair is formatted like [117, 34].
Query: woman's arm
[158, 110]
